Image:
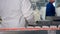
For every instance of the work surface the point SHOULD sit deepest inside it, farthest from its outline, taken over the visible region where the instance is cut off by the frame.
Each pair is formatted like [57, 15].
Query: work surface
[31, 32]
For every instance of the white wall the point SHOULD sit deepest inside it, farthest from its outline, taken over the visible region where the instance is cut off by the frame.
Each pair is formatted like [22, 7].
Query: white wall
[58, 11]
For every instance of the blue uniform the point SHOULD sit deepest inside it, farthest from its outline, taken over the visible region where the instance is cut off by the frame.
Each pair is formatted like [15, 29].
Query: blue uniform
[50, 9]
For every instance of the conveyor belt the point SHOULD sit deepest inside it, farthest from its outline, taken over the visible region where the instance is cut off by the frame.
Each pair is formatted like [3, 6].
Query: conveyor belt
[24, 32]
[32, 32]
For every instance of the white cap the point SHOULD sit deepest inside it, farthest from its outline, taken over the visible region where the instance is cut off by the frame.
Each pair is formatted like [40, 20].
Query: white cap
[45, 26]
[53, 26]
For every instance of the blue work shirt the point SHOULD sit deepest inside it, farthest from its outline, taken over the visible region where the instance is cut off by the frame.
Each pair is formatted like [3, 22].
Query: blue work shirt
[50, 9]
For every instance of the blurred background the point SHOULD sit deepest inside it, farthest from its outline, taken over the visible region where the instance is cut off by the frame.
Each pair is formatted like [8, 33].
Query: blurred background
[39, 10]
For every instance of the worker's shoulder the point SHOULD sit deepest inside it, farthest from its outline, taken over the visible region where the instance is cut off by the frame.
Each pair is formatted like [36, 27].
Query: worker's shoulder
[49, 4]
